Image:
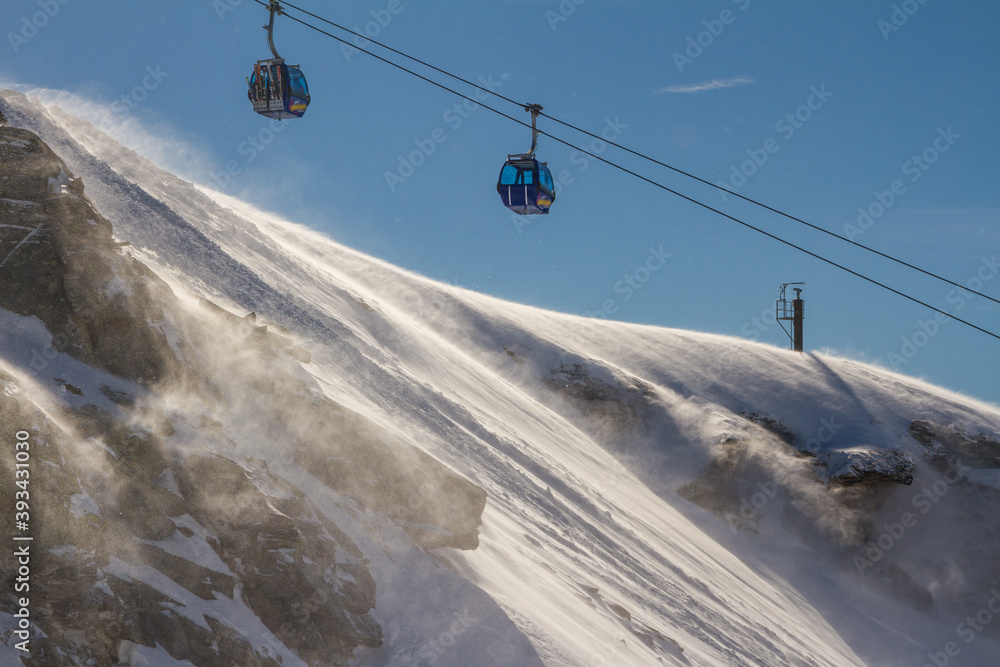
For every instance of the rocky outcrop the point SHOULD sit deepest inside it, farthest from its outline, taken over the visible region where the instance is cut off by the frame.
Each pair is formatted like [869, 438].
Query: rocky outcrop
[147, 537]
[947, 446]
[726, 485]
[770, 423]
[867, 466]
[59, 262]
[437, 507]
[615, 403]
[135, 543]
[261, 336]
[305, 580]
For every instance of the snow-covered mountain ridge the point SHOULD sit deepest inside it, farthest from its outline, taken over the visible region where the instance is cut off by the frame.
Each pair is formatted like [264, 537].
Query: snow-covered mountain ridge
[652, 496]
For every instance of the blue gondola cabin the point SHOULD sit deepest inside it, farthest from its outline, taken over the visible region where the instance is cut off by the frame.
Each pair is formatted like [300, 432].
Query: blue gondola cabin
[278, 90]
[526, 186]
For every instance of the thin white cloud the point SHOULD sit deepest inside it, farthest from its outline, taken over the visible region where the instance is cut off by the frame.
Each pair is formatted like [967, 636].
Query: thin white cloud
[714, 84]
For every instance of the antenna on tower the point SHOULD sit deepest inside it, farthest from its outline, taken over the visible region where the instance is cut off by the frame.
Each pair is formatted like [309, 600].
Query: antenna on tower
[794, 311]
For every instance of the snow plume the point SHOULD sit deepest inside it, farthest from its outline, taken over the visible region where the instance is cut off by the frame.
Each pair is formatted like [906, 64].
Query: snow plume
[757, 479]
[81, 435]
[158, 142]
[112, 129]
[728, 463]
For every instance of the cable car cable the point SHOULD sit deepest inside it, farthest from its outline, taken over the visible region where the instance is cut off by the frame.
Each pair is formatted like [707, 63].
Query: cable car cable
[655, 183]
[778, 211]
[398, 66]
[405, 55]
[654, 160]
[781, 240]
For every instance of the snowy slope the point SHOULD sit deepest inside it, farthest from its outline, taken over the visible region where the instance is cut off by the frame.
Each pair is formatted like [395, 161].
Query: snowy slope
[587, 544]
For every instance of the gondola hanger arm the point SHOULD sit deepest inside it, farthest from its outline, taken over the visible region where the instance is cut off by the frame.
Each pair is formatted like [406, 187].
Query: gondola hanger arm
[534, 110]
[274, 8]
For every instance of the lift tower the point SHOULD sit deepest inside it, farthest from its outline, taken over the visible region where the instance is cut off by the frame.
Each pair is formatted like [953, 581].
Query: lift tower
[795, 313]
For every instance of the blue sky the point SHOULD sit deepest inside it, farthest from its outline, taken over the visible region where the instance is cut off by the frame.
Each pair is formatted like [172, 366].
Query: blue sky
[824, 105]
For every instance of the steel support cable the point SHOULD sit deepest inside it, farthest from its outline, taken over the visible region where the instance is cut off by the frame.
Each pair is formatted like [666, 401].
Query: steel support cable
[654, 160]
[778, 211]
[398, 66]
[405, 55]
[650, 181]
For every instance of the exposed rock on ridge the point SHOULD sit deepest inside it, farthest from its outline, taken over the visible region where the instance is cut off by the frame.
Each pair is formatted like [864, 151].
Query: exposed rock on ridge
[60, 263]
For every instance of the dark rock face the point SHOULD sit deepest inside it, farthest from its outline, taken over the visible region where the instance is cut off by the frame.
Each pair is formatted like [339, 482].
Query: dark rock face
[949, 445]
[869, 467]
[615, 404]
[305, 580]
[60, 263]
[143, 542]
[120, 558]
[724, 485]
[770, 423]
